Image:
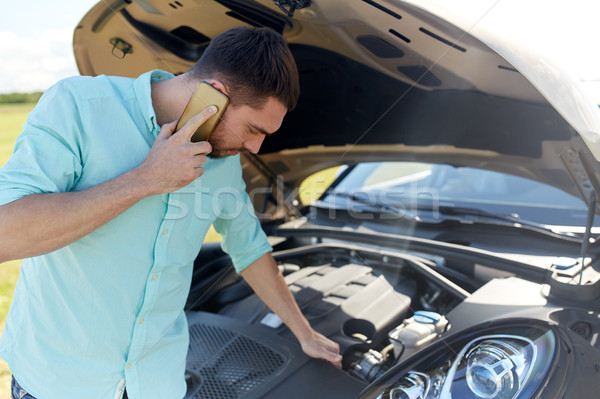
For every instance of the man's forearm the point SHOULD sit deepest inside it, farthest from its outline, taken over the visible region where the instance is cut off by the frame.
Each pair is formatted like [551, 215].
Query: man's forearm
[41, 223]
[266, 280]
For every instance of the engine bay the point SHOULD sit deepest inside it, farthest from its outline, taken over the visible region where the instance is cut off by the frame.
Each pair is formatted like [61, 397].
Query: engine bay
[381, 306]
[356, 296]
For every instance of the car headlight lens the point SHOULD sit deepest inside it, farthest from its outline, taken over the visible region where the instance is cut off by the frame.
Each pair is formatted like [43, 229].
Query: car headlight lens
[494, 369]
[414, 386]
[496, 365]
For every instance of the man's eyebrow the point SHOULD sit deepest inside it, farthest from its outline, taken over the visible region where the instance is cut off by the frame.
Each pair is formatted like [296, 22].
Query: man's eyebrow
[260, 129]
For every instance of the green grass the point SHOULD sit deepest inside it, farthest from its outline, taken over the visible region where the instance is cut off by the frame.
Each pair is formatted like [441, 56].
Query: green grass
[9, 272]
[12, 117]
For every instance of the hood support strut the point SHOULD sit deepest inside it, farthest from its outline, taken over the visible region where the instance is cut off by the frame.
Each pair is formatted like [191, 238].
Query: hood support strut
[585, 244]
[569, 284]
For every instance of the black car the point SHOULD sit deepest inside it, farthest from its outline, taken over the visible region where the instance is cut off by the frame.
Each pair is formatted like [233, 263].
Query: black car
[453, 253]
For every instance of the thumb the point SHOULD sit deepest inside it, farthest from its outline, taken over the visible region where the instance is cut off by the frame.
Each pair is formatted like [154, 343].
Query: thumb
[333, 358]
[166, 131]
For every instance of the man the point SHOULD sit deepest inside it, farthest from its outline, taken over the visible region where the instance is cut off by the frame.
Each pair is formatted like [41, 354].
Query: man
[109, 211]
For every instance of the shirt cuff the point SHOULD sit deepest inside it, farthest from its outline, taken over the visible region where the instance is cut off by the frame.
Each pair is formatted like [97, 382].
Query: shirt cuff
[241, 262]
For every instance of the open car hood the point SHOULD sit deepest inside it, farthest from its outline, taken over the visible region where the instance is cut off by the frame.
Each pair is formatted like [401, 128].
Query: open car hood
[380, 80]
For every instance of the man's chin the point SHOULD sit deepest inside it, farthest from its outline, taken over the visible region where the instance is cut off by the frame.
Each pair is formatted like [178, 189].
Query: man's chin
[216, 154]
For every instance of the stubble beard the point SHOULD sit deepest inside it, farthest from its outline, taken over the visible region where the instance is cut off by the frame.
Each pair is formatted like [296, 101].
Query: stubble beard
[218, 147]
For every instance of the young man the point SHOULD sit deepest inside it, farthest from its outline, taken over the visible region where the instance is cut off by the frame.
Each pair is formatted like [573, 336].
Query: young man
[110, 210]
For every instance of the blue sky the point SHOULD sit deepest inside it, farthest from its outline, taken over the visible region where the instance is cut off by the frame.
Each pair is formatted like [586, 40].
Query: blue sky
[35, 42]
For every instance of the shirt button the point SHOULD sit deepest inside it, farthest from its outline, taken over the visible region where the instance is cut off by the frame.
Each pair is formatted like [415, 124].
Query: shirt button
[164, 232]
[128, 366]
[154, 277]
[141, 321]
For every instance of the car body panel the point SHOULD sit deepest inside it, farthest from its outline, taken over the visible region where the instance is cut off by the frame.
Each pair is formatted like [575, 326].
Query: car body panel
[443, 77]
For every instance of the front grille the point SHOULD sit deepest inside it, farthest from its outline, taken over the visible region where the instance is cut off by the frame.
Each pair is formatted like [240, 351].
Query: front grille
[224, 364]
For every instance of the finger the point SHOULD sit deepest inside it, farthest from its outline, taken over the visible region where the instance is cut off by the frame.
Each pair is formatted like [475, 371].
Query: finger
[333, 358]
[330, 345]
[337, 361]
[332, 354]
[329, 351]
[199, 160]
[188, 130]
[166, 130]
[198, 171]
[201, 148]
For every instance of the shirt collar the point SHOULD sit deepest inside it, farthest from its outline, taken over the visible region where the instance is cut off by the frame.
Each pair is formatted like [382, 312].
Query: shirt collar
[141, 87]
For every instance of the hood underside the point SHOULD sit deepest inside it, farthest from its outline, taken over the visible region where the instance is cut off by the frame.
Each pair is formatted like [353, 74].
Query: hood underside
[380, 80]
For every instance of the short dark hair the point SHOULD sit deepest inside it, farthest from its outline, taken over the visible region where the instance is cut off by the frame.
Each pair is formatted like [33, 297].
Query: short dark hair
[254, 64]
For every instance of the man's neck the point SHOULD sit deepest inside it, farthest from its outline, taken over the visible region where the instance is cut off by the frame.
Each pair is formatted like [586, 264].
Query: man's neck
[169, 98]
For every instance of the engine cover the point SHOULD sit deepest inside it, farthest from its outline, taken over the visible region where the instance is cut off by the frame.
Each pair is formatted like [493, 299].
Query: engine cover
[349, 304]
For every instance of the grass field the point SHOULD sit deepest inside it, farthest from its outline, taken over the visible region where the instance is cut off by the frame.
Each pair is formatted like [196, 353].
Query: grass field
[12, 118]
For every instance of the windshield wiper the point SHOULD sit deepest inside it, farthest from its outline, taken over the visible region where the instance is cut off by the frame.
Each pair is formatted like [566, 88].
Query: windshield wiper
[374, 203]
[504, 219]
[478, 216]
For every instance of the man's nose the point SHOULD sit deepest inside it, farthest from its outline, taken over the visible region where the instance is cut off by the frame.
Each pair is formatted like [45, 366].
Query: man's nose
[253, 144]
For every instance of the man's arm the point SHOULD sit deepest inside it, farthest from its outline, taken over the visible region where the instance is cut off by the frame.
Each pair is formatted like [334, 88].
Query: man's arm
[267, 281]
[41, 223]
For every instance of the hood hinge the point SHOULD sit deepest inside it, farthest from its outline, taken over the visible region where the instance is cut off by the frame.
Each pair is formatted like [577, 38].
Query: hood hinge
[290, 6]
[579, 173]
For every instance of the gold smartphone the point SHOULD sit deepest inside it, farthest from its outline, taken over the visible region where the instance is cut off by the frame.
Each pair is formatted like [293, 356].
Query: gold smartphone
[204, 95]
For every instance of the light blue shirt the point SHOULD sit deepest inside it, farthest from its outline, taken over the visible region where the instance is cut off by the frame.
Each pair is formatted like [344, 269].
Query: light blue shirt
[106, 311]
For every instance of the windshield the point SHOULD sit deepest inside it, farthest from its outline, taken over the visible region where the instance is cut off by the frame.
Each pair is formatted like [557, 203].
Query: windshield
[425, 190]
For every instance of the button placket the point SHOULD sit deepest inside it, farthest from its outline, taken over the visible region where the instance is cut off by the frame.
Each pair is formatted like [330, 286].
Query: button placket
[138, 342]
[139, 330]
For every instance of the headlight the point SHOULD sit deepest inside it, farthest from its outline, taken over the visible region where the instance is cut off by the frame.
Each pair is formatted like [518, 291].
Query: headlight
[498, 366]
[498, 362]
[414, 385]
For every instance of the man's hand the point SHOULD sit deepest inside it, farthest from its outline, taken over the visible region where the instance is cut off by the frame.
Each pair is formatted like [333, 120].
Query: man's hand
[174, 161]
[321, 347]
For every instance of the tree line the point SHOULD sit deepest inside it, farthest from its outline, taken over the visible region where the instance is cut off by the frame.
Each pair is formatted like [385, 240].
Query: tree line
[20, 98]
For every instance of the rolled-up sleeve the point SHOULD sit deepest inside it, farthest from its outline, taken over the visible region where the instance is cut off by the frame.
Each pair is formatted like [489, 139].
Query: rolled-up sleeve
[46, 156]
[243, 237]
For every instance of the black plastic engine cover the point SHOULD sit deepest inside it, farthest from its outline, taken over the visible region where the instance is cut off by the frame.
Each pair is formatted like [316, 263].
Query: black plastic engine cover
[349, 304]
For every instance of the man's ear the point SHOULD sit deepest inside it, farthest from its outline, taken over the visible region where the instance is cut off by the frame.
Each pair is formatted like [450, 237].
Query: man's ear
[217, 84]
